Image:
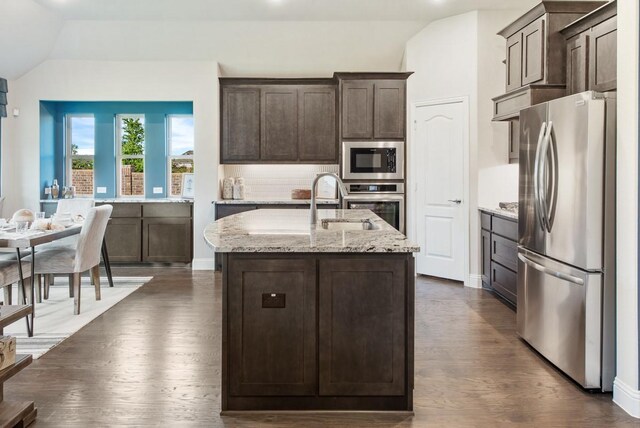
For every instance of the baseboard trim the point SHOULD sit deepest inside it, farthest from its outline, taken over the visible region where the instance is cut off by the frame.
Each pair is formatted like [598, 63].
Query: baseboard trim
[203, 264]
[474, 281]
[626, 397]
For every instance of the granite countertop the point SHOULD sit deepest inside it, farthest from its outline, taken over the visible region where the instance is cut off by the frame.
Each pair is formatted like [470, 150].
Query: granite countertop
[288, 231]
[131, 200]
[264, 201]
[501, 212]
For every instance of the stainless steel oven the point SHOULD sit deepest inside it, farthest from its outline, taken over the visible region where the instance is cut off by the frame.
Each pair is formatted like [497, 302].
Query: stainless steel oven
[385, 199]
[373, 160]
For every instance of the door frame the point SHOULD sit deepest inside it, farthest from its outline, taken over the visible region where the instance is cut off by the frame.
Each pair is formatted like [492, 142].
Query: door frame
[412, 183]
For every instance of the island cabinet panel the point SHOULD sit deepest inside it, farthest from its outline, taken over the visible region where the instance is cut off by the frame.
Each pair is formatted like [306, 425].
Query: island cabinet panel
[272, 327]
[279, 123]
[389, 109]
[123, 239]
[357, 109]
[317, 123]
[362, 327]
[240, 133]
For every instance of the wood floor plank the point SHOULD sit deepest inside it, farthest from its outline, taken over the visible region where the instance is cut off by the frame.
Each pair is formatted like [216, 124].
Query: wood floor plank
[154, 360]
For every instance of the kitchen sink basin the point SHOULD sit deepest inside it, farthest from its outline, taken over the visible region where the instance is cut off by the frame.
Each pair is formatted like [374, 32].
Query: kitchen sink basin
[334, 224]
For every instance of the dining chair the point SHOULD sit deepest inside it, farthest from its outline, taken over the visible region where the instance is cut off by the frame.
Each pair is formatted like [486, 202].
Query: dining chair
[74, 261]
[9, 275]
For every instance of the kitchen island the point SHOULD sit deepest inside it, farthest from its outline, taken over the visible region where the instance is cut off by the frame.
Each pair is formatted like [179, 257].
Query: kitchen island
[315, 318]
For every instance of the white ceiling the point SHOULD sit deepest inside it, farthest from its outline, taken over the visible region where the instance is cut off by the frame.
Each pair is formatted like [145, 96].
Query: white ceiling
[247, 37]
[272, 10]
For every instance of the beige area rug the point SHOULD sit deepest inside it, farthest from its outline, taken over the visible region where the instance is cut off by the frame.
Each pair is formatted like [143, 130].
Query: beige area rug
[55, 322]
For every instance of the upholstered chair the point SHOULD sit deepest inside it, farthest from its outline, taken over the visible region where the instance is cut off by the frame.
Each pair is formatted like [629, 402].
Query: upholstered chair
[83, 257]
[9, 275]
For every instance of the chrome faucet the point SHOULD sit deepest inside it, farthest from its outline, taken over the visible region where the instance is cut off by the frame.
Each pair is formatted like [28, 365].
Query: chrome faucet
[314, 207]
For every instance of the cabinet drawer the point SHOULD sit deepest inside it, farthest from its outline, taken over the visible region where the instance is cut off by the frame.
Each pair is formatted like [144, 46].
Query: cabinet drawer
[167, 210]
[505, 228]
[223, 211]
[485, 221]
[504, 281]
[504, 251]
[125, 209]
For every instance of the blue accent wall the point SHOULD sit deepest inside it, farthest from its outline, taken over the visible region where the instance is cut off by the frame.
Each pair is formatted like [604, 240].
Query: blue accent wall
[52, 150]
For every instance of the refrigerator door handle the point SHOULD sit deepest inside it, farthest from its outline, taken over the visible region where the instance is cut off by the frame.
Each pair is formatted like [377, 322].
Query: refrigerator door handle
[551, 191]
[536, 175]
[546, 270]
[543, 182]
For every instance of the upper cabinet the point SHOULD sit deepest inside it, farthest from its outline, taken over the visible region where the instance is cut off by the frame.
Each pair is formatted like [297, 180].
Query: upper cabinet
[592, 51]
[278, 121]
[535, 55]
[373, 105]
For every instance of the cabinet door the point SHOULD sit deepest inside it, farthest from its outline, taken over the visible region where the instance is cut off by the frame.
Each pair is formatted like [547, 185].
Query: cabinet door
[279, 140]
[578, 64]
[533, 46]
[272, 326]
[123, 237]
[166, 240]
[389, 109]
[240, 124]
[486, 257]
[357, 109]
[514, 62]
[504, 281]
[317, 140]
[603, 56]
[361, 326]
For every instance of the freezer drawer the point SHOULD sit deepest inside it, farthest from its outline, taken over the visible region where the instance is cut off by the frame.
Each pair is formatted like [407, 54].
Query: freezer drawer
[560, 315]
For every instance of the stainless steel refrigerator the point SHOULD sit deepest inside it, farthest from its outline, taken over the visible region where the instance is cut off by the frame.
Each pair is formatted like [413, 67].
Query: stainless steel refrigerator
[566, 252]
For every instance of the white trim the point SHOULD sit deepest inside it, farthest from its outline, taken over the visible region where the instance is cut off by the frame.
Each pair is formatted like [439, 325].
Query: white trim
[411, 185]
[475, 281]
[626, 397]
[203, 264]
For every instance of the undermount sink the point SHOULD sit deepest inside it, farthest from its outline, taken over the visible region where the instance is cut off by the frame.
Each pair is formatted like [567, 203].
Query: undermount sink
[334, 224]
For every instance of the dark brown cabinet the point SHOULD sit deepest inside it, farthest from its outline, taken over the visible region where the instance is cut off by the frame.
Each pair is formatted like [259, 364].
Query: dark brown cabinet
[317, 140]
[123, 239]
[317, 331]
[499, 255]
[240, 136]
[361, 327]
[373, 108]
[536, 56]
[514, 140]
[278, 121]
[591, 45]
[279, 110]
[272, 327]
[166, 240]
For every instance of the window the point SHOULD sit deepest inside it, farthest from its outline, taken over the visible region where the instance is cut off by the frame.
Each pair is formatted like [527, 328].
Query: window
[180, 149]
[130, 150]
[80, 150]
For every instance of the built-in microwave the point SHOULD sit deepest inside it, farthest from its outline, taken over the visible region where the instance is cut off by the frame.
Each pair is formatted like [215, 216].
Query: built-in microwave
[373, 160]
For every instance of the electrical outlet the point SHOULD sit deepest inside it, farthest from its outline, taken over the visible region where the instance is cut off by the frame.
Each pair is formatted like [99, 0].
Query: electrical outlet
[101, 190]
[157, 190]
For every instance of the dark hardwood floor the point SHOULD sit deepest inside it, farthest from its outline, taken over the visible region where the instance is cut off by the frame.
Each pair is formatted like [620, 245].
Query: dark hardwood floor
[154, 360]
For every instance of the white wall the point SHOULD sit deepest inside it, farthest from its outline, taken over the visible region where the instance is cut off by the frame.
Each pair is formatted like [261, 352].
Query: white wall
[461, 56]
[627, 383]
[113, 81]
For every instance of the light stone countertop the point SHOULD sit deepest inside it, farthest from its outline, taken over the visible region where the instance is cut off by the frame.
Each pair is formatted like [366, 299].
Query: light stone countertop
[500, 212]
[130, 200]
[289, 231]
[264, 201]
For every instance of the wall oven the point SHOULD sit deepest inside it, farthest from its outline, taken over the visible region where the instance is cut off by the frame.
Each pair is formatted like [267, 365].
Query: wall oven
[373, 160]
[386, 200]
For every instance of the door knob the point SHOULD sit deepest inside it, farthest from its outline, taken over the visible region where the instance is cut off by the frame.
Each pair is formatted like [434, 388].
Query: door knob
[455, 201]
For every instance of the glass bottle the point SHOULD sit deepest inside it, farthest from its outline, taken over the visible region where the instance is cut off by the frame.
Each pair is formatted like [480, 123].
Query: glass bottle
[55, 189]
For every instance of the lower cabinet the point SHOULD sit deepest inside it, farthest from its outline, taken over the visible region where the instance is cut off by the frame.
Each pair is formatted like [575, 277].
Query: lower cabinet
[499, 255]
[123, 239]
[166, 240]
[317, 332]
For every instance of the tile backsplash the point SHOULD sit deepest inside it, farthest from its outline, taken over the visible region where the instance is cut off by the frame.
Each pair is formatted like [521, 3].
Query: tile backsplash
[275, 181]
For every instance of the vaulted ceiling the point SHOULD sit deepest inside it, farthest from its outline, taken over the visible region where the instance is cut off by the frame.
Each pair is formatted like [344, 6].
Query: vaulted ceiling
[247, 37]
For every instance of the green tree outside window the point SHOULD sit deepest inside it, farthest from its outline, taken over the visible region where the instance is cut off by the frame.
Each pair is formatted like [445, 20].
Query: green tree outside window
[133, 143]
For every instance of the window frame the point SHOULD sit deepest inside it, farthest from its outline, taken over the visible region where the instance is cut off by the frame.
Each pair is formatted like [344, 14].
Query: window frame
[120, 157]
[171, 158]
[69, 157]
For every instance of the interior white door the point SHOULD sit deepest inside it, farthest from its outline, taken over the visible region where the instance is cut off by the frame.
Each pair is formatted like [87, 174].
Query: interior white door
[438, 147]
